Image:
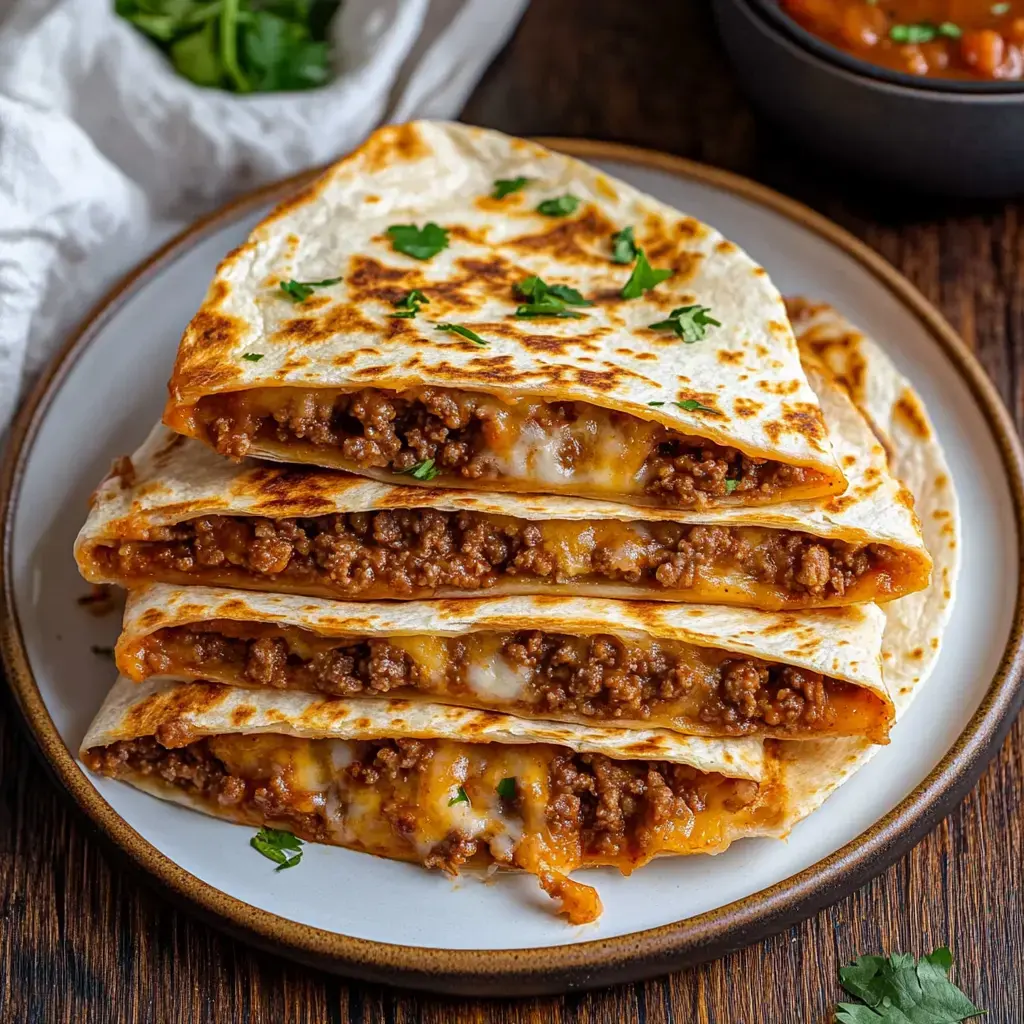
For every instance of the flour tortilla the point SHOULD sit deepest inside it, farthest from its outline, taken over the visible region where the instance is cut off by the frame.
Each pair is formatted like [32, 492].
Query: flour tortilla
[843, 644]
[132, 710]
[174, 479]
[248, 335]
[915, 624]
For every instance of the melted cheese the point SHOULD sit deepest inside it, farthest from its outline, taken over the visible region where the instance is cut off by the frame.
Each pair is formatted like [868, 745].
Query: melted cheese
[494, 680]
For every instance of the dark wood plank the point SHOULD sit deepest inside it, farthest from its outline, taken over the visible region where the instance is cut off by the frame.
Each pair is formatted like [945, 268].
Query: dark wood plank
[83, 939]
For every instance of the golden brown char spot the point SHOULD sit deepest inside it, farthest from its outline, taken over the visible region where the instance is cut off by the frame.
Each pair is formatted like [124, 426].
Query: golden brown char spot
[762, 350]
[151, 618]
[725, 247]
[390, 145]
[644, 356]
[315, 302]
[341, 319]
[760, 272]
[840, 504]
[729, 356]
[167, 707]
[909, 410]
[605, 188]
[570, 240]
[242, 714]
[905, 498]
[805, 419]
[941, 480]
[849, 461]
[746, 407]
[371, 199]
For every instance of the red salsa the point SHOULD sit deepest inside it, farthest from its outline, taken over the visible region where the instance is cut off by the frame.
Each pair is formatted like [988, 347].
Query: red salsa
[965, 39]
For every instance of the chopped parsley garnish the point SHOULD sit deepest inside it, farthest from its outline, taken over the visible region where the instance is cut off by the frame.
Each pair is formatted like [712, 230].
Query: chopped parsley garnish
[624, 248]
[461, 798]
[689, 404]
[407, 308]
[923, 32]
[900, 990]
[462, 332]
[643, 278]
[297, 291]
[548, 299]
[1000, 9]
[561, 206]
[506, 186]
[277, 845]
[731, 485]
[253, 357]
[689, 322]
[425, 470]
[103, 652]
[507, 788]
[419, 243]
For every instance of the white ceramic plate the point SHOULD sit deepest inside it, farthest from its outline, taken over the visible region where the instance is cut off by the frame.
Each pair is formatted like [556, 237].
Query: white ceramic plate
[108, 392]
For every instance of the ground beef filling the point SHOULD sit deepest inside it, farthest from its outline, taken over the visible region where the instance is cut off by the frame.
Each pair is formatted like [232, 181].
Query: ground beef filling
[599, 677]
[377, 429]
[608, 809]
[419, 552]
[616, 806]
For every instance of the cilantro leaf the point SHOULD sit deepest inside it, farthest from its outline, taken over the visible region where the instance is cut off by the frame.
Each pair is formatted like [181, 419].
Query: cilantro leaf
[507, 788]
[425, 470]
[692, 405]
[731, 485]
[624, 248]
[297, 291]
[899, 990]
[689, 322]
[419, 243]
[463, 332]
[549, 307]
[461, 798]
[407, 308]
[506, 186]
[253, 357]
[536, 290]
[921, 32]
[643, 278]
[561, 206]
[950, 30]
[276, 844]
[1000, 9]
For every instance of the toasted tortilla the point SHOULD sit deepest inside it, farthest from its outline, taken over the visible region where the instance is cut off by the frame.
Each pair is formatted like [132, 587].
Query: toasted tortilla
[171, 480]
[250, 344]
[465, 786]
[688, 658]
[915, 624]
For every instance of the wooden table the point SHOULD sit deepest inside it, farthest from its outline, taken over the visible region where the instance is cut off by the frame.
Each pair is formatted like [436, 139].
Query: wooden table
[83, 939]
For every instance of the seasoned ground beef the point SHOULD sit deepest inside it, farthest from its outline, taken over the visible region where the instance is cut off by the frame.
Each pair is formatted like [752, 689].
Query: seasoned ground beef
[420, 552]
[611, 805]
[377, 429]
[599, 677]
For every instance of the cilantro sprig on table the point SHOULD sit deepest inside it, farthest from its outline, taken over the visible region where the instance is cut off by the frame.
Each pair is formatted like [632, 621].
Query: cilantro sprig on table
[898, 989]
[240, 45]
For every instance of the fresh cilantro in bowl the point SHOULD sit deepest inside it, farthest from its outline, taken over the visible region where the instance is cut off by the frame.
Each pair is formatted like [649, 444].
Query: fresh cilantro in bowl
[240, 45]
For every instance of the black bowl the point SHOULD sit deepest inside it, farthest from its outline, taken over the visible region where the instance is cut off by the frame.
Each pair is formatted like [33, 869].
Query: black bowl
[933, 135]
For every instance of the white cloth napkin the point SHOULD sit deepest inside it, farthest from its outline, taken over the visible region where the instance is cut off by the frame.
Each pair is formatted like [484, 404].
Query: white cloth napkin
[105, 150]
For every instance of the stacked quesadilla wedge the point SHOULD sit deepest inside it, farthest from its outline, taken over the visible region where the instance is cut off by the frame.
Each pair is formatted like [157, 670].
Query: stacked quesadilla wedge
[574, 562]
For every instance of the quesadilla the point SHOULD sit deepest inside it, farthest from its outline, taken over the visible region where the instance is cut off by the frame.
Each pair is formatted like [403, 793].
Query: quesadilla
[696, 669]
[571, 335]
[446, 787]
[177, 512]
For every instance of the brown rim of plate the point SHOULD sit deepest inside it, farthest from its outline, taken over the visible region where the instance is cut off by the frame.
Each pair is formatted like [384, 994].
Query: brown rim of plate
[585, 964]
